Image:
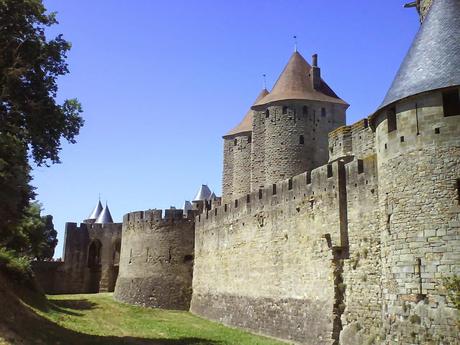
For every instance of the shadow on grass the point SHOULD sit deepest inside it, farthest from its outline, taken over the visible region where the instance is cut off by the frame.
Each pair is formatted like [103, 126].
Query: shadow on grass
[20, 324]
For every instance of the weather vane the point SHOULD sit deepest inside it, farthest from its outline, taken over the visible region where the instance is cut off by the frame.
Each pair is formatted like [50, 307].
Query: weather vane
[295, 43]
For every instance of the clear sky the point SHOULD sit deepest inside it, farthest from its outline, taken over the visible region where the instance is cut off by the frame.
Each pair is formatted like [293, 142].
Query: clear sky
[161, 81]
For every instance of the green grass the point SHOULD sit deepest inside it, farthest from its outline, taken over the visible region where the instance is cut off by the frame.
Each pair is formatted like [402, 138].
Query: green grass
[98, 319]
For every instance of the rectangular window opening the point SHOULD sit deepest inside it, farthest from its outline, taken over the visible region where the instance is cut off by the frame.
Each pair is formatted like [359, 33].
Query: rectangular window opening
[360, 166]
[248, 198]
[290, 184]
[236, 203]
[451, 103]
[458, 191]
[301, 140]
[392, 125]
[260, 193]
[308, 177]
[274, 189]
[329, 170]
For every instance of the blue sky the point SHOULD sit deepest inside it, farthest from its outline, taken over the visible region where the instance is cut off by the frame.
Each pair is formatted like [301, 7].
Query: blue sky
[161, 81]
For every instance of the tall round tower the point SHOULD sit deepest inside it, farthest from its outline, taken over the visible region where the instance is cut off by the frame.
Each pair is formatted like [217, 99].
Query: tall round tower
[418, 151]
[236, 178]
[291, 124]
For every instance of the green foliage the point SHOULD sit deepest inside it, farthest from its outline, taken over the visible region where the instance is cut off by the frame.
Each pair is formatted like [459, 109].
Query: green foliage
[15, 191]
[452, 286]
[35, 236]
[31, 121]
[14, 266]
[29, 67]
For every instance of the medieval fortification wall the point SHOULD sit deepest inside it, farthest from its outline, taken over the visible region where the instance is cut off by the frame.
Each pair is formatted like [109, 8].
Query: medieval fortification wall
[354, 251]
[91, 254]
[156, 263]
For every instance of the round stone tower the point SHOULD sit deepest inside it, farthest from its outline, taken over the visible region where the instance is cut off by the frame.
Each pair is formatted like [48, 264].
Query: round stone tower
[418, 151]
[291, 124]
[156, 260]
[236, 180]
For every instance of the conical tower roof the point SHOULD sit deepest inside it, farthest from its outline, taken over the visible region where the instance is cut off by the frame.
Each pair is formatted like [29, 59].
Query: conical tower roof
[204, 193]
[433, 60]
[96, 212]
[105, 217]
[295, 83]
[246, 124]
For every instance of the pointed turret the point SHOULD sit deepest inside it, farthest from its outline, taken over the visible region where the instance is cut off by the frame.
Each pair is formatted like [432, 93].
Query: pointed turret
[245, 126]
[204, 193]
[433, 60]
[299, 81]
[96, 211]
[104, 217]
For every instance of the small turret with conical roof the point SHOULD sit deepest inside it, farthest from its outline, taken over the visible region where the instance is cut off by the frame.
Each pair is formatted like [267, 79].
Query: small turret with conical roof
[104, 217]
[236, 177]
[291, 124]
[95, 213]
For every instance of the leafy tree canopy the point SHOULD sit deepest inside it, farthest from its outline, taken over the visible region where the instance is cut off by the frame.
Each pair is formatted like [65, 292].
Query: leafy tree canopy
[32, 123]
[29, 67]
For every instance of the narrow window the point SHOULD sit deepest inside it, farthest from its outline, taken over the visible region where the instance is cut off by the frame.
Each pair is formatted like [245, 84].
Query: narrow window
[366, 123]
[308, 177]
[301, 140]
[215, 211]
[236, 203]
[360, 166]
[248, 198]
[285, 109]
[401, 139]
[458, 190]
[260, 193]
[267, 113]
[235, 142]
[451, 103]
[437, 130]
[249, 139]
[323, 112]
[274, 189]
[225, 208]
[329, 170]
[305, 110]
[290, 184]
[391, 120]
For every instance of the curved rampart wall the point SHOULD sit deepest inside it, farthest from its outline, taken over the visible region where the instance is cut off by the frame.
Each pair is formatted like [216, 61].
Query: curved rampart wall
[419, 181]
[156, 262]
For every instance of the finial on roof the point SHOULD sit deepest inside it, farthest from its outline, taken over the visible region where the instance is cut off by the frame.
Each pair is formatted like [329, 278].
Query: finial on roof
[295, 43]
[264, 85]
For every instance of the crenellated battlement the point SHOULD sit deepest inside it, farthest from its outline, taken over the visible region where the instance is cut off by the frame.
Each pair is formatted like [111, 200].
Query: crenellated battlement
[318, 188]
[347, 142]
[156, 215]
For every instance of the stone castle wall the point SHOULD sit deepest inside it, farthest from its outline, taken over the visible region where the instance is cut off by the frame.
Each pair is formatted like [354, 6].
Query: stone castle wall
[156, 263]
[353, 252]
[263, 263]
[419, 169]
[291, 138]
[356, 140]
[238, 151]
[78, 273]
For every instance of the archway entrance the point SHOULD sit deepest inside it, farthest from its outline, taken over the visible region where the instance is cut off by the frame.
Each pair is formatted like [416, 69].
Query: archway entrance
[94, 265]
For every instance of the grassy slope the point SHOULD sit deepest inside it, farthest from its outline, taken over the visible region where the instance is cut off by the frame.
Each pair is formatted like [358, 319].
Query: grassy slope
[98, 319]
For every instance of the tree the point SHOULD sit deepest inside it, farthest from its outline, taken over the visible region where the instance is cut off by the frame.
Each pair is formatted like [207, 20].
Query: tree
[31, 121]
[35, 235]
